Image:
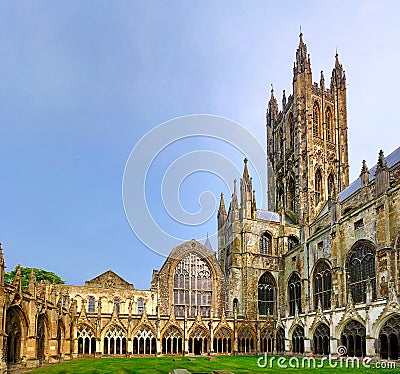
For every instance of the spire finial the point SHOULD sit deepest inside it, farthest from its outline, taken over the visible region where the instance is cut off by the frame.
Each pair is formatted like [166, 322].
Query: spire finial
[301, 34]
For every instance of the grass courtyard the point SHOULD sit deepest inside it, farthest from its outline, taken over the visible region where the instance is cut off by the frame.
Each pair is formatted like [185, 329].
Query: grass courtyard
[235, 364]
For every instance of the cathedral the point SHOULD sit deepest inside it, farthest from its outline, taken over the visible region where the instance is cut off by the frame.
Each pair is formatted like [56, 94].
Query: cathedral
[316, 274]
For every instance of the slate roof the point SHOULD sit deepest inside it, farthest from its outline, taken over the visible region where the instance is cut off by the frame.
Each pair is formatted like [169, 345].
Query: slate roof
[267, 215]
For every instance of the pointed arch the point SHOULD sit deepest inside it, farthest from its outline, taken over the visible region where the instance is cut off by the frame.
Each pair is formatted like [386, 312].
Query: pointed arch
[322, 284]
[115, 340]
[172, 340]
[331, 186]
[266, 294]
[291, 193]
[360, 267]
[246, 338]
[144, 341]
[86, 339]
[265, 243]
[353, 337]
[298, 339]
[321, 338]
[318, 187]
[316, 121]
[16, 329]
[294, 293]
[330, 133]
[223, 340]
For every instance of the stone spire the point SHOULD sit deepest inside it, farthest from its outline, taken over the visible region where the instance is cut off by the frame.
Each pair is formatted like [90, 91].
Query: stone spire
[32, 282]
[221, 216]
[17, 279]
[364, 175]
[381, 175]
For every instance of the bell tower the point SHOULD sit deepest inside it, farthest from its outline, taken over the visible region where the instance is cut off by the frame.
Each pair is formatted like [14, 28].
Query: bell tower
[307, 146]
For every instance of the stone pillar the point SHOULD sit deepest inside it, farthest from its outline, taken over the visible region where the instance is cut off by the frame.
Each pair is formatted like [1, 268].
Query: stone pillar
[98, 346]
[129, 347]
[333, 345]
[370, 347]
[307, 347]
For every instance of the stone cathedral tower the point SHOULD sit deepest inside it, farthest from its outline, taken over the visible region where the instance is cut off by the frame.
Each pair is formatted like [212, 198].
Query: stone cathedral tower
[307, 146]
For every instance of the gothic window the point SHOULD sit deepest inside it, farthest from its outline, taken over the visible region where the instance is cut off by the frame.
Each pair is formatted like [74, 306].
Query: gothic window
[192, 286]
[316, 121]
[353, 338]
[294, 290]
[298, 340]
[267, 340]
[389, 338]
[291, 195]
[222, 341]
[293, 242]
[245, 340]
[13, 331]
[321, 340]
[291, 130]
[361, 271]
[198, 340]
[280, 142]
[60, 330]
[330, 135]
[117, 305]
[41, 336]
[172, 341]
[280, 340]
[318, 187]
[279, 198]
[115, 341]
[86, 340]
[91, 305]
[266, 244]
[331, 186]
[235, 305]
[322, 285]
[64, 301]
[266, 294]
[140, 307]
[144, 342]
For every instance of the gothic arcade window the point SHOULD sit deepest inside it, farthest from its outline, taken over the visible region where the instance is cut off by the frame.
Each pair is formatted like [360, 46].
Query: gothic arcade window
[86, 340]
[318, 187]
[322, 285]
[13, 331]
[389, 338]
[266, 294]
[115, 341]
[140, 306]
[321, 340]
[298, 340]
[144, 342]
[361, 271]
[294, 290]
[192, 286]
[266, 243]
[330, 135]
[91, 305]
[331, 186]
[316, 121]
[353, 338]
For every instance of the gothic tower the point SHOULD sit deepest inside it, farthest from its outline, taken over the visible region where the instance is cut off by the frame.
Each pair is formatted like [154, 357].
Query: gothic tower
[307, 146]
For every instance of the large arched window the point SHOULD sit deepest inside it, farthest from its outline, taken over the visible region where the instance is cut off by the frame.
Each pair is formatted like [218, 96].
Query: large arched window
[13, 331]
[86, 340]
[321, 340]
[222, 341]
[294, 290]
[330, 135]
[298, 340]
[361, 271]
[318, 187]
[322, 285]
[316, 121]
[115, 341]
[192, 286]
[353, 338]
[266, 294]
[91, 304]
[290, 127]
[331, 186]
[266, 243]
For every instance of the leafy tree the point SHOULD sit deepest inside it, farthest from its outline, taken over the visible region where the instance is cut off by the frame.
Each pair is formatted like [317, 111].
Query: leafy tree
[40, 275]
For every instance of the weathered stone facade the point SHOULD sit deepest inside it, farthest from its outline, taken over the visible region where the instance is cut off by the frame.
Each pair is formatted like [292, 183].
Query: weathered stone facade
[318, 271]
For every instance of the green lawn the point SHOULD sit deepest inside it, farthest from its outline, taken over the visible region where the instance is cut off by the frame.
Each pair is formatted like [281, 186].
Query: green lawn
[236, 364]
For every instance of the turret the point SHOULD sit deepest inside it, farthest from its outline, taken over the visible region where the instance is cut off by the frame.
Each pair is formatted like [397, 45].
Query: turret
[246, 192]
[221, 213]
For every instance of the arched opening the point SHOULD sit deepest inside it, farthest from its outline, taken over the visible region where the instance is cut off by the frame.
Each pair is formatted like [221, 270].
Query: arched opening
[86, 340]
[14, 333]
[198, 340]
[361, 270]
[266, 243]
[316, 121]
[144, 342]
[172, 341]
[266, 294]
[280, 340]
[298, 340]
[41, 337]
[115, 341]
[294, 291]
[245, 340]
[353, 338]
[331, 186]
[318, 187]
[322, 285]
[267, 341]
[291, 195]
[222, 341]
[235, 305]
[389, 337]
[321, 340]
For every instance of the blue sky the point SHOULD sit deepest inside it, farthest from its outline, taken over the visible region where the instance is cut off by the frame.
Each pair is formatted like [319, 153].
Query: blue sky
[83, 82]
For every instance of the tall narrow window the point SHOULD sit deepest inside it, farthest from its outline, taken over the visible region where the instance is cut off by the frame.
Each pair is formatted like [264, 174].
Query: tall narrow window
[361, 270]
[280, 141]
[316, 121]
[266, 294]
[291, 130]
[290, 195]
[140, 307]
[318, 187]
[329, 128]
[322, 285]
[91, 304]
[294, 290]
[331, 186]
[117, 305]
[266, 243]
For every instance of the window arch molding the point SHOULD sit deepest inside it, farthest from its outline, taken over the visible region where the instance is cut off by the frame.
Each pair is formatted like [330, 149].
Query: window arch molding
[360, 270]
[316, 120]
[330, 133]
[267, 291]
[322, 284]
[294, 293]
[266, 243]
